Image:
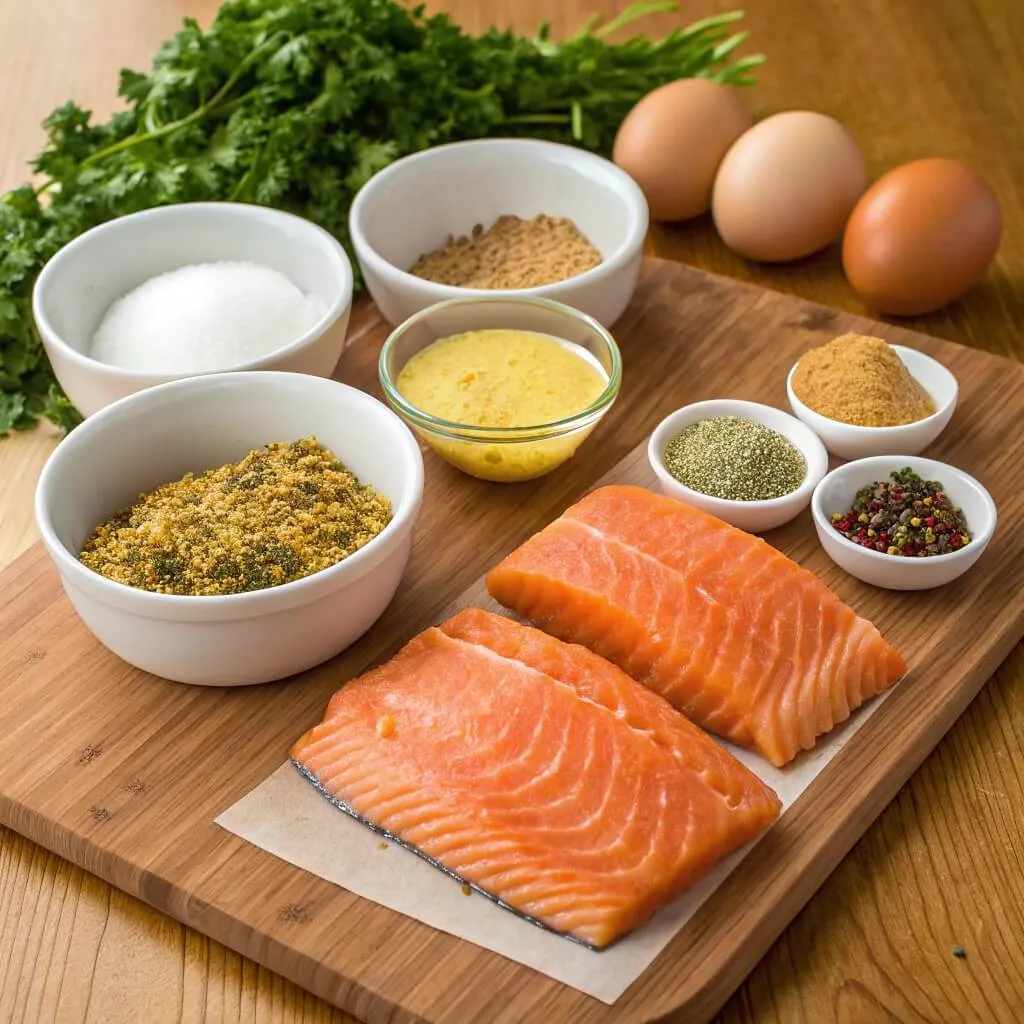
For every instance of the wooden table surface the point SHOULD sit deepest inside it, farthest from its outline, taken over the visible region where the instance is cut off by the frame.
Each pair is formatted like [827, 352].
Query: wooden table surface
[944, 865]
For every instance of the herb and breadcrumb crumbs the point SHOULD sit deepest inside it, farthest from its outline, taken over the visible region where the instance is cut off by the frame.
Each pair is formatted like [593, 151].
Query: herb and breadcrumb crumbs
[284, 512]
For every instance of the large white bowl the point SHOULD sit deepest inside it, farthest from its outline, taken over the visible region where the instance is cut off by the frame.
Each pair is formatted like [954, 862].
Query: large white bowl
[157, 436]
[752, 516]
[836, 493]
[849, 441]
[414, 205]
[79, 284]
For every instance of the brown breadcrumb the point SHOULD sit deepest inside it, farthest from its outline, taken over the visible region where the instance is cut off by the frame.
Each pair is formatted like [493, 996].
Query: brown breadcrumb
[282, 513]
[860, 380]
[512, 253]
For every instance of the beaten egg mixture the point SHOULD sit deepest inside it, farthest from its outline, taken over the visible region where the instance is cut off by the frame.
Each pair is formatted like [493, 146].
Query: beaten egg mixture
[503, 378]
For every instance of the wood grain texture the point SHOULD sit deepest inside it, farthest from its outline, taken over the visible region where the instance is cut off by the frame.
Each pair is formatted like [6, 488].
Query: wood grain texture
[124, 773]
[943, 866]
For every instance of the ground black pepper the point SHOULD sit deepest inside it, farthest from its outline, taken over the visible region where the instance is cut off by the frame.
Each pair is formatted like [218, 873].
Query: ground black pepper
[735, 458]
[905, 516]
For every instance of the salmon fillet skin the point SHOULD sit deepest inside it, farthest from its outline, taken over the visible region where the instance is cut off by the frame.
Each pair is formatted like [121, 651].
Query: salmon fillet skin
[738, 637]
[537, 772]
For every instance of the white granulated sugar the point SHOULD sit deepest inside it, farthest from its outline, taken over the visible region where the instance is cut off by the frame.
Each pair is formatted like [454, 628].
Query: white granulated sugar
[210, 316]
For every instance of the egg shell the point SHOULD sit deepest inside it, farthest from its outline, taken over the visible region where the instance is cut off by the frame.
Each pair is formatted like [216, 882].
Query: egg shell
[673, 140]
[921, 236]
[786, 187]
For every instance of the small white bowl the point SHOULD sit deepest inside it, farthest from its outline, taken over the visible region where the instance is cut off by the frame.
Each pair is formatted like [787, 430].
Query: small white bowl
[80, 283]
[752, 516]
[836, 493]
[200, 423]
[412, 207]
[849, 441]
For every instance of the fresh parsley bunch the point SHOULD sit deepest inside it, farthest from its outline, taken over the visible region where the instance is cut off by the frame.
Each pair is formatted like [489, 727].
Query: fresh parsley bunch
[296, 105]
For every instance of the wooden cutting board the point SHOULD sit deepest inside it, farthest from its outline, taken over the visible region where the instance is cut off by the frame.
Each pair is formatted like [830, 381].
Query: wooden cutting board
[124, 774]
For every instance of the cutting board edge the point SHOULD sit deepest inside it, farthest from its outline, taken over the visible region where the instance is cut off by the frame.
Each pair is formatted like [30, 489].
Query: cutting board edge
[349, 994]
[710, 998]
[186, 909]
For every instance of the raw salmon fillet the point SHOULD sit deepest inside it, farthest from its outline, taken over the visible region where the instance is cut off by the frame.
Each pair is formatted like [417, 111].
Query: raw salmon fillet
[537, 772]
[744, 641]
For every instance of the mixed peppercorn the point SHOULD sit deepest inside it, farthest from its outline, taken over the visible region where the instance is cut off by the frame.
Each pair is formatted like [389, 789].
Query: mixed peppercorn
[905, 516]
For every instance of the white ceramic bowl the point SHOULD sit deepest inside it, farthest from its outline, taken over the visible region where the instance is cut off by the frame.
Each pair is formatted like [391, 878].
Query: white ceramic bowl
[752, 516]
[836, 493]
[79, 284]
[158, 435]
[412, 207]
[852, 442]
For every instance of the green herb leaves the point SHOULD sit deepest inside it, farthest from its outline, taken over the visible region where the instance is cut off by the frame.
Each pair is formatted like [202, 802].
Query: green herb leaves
[297, 105]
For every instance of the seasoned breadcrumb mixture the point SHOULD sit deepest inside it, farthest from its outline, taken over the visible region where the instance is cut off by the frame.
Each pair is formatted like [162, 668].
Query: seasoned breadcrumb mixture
[283, 512]
[512, 253]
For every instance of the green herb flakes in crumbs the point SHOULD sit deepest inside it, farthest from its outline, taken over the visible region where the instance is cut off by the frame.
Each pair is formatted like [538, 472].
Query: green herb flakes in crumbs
[282, 513]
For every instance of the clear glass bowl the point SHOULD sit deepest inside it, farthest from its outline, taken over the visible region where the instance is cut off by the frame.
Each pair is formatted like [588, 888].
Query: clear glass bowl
[504, 454]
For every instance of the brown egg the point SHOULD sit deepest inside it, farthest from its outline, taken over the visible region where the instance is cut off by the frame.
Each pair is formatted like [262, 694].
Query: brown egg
[921, 236]
[673, 140]
[786, 187]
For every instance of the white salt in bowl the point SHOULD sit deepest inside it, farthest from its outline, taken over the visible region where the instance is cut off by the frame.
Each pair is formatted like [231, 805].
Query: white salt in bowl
[158, 435]
[849, 441]
[80, 283]
[412, 207]
[752, 516]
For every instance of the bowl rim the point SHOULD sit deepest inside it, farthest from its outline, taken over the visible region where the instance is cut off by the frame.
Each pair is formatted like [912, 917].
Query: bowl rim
[810, 446]
[866, 431]
[626, 188]
[933, 468]
[531, 432]
[332, 249]
[404, 510]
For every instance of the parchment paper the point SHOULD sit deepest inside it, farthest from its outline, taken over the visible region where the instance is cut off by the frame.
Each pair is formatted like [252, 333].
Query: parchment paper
[288, 818]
